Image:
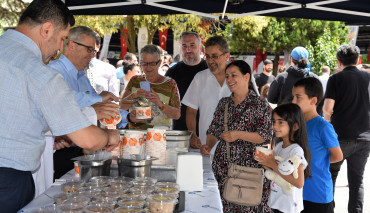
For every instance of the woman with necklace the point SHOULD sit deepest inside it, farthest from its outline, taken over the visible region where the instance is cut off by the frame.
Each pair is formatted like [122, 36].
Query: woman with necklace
[163, 96]
[249, 125]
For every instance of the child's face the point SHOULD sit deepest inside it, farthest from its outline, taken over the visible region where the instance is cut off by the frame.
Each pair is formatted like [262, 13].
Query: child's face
[302, 100]
[281, 127]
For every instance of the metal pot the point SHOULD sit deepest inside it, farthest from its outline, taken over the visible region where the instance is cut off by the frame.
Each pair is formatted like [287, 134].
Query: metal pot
[92, 168]
[134, 168]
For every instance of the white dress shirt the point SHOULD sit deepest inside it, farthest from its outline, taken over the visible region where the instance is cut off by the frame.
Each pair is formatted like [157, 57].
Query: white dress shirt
[103, 77]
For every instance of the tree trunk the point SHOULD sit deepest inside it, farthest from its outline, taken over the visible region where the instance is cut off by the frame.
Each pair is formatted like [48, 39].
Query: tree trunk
[132, 34]
[276, 63]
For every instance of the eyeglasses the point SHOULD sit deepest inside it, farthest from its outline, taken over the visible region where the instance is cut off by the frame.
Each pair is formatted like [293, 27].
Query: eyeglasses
[152, 64]
[89, 49]
[214, 57]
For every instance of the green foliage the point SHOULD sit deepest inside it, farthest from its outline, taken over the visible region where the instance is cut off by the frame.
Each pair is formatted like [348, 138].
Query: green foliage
[364, 59]
[10, 12]
[323, 52]
[102, 24]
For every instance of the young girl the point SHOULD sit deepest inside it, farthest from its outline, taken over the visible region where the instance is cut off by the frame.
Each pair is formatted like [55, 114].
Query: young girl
[289, 126]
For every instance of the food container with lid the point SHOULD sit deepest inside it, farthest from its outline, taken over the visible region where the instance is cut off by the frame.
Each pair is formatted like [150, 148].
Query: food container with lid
[78, 200]
[128, 209]
[169, 188]
[161, 203]
[93, 208]
[60, 198]
[144, 181]
[72, 187]
[139, 202]
[70, 208]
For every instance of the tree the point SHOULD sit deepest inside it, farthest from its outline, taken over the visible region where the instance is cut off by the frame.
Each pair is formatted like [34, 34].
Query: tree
[10, 12]
[324, 51]
[102, 24]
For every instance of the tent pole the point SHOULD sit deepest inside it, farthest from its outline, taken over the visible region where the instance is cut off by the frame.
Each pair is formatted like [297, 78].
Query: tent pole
[223, 13]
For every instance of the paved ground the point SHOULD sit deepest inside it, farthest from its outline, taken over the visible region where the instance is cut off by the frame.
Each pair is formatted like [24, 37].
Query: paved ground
[341, 190]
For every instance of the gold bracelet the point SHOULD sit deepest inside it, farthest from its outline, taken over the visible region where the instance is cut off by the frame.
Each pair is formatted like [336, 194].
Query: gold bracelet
[163, 106]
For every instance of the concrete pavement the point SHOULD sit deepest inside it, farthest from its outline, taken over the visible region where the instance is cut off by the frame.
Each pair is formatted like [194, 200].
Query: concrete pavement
[341, 190]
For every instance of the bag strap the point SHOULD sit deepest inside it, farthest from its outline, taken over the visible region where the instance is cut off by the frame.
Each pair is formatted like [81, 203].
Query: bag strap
[227, 129]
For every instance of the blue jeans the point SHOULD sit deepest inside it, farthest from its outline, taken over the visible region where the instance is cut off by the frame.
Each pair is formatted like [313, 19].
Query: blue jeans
[356, 154]
[17, 189]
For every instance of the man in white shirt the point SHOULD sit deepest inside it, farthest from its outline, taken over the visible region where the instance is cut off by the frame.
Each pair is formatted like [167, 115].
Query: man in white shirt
[206, 89]
[324, 77]
[102, 75]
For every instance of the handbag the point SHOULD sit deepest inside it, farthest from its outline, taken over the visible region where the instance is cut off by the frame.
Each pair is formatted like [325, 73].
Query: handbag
[243, 185]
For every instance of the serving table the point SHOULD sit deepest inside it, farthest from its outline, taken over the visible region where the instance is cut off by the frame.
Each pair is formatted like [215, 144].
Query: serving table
[207, 200]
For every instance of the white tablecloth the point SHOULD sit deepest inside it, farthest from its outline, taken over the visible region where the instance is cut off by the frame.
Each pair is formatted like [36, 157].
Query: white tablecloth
[207, 200]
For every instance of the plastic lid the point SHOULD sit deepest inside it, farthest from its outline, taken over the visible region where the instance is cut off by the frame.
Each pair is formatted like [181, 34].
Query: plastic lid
[97, 208]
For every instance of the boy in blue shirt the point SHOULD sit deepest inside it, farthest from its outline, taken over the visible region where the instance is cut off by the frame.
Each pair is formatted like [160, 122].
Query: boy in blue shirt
[323, 144]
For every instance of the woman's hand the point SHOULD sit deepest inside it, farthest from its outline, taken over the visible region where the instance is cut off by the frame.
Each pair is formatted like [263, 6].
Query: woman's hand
[267, 160]
[153, 97]
[195, 142]
[205, 149]
[230, 136]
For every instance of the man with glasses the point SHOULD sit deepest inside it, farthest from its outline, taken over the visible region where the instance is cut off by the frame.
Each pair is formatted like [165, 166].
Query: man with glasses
[207, 88]
[34, 99]
[184, 71]
[79, 50]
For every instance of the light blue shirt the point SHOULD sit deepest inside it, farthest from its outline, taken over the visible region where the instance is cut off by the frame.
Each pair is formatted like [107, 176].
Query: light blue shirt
[34, 99]
[84, 93]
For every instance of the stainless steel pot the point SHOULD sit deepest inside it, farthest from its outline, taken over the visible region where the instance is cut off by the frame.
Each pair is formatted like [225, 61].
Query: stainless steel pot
[134, 168]
[92, 168]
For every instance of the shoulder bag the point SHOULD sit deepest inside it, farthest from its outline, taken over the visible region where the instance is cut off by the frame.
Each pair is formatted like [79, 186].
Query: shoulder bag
[243, 185]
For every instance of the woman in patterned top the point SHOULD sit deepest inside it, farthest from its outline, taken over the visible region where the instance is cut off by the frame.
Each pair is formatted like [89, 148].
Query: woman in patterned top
[249, 124]
[164, 96]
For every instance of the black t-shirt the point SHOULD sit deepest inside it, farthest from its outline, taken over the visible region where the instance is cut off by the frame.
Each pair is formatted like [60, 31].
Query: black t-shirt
[351, 114]
[262, 79]
[183, 75]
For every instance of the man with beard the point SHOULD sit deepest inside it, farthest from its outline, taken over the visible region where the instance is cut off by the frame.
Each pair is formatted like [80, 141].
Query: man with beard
[265, 77]
[206, 89]
[184, 71]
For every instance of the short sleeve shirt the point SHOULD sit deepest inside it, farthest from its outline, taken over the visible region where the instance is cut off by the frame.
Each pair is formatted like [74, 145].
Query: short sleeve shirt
[203, 94]
[34, 99]
[351, 91]
[321, 137]
[168, 93]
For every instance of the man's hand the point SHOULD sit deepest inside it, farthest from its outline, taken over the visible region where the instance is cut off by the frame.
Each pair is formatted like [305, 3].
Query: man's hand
[61, 142]
[195, 142]
[205, 149]
[113, 139]
[108, 96]
[126, 104]
[106, 110]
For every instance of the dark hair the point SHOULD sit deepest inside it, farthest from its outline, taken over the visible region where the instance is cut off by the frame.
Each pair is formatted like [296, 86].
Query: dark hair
[264, 90]
[128, 56]
[312, 87]
[97, 39]
[244, 68]
[348, 54]
[41, 11]
[128, 66]
[292, 114]
[301, 63]
[219, 41]
[282, 69]
[267, 61]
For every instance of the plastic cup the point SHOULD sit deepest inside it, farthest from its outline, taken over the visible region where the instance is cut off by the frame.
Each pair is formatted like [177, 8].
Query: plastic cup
[132, 143]
[264, 150]
[143, 112]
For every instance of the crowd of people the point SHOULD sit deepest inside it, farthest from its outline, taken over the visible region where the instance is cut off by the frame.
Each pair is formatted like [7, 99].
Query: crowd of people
[321, 120]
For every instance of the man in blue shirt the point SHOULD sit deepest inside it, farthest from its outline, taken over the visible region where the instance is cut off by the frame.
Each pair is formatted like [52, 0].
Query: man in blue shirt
[78, 52]
[34, 99]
